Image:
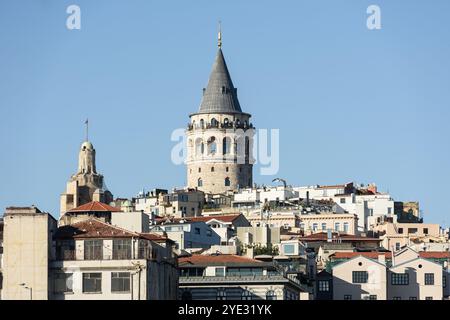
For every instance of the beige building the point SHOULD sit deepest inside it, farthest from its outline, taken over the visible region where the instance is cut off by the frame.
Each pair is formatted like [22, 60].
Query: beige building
[219, 137]
[360, 278]
[322, 222]
[398, 235]
[27, 252]
[89, 259]
[412, 277]
[86, 185]
[258, 236]
[287, 219]
[98, 261]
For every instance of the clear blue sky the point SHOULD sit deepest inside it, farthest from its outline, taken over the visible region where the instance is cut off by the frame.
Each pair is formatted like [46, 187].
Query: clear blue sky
[351, 104]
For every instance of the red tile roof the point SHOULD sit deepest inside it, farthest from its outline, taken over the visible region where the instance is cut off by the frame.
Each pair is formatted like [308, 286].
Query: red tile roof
[371, 255]
[434, 254]
[388, 255]
[95, 206]
[322, 236]
[198, 259]
[223, 218]
[96, 229]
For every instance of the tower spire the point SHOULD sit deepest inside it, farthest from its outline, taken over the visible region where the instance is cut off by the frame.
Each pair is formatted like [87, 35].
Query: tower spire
[219, 36]
[87, 129]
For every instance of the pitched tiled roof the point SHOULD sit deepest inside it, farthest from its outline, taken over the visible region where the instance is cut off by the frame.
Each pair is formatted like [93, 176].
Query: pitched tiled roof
[371, 255]
[322, 236]
[96, 229]
[388, 255]
[220, 259]
[95, 206]
[434, 254]
[223, 218]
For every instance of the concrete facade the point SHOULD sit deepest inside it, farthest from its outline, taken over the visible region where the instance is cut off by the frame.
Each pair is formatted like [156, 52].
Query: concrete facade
[27, 252]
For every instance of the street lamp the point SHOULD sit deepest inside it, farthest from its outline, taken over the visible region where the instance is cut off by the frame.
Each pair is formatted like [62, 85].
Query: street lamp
[24, 285]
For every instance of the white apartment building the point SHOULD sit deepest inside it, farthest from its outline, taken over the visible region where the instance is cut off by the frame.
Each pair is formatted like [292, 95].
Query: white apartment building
[188, 234]
[251, 197]
[367, 203]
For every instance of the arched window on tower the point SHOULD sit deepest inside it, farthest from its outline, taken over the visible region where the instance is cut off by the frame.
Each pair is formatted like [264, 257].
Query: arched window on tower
[199, 147]
[202, 123]
[247, 147]
[212, 146]
[199, 182]
[226, 122]
[227, 182]
[226, 144]
[214, 123]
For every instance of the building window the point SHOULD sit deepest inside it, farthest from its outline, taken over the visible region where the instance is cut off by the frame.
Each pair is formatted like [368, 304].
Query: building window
[120, 282]
[92, 282]
[428, 298]
[212, 169]
[122, 249]
[342, 200]
[429, 279]
[209, 233]
[246, 295]
[221, 295]
[397, 246]
[360, 276]
[220, 272]
[289, 249]
[315, 226]
[400, 230]
[212, 146]
[389, 210]
[227, 182]
[348, 297]
[346, 227]
[412, 230]
[425, 231]
[93, 249]
[197, 230]
[227, 169]
[200, 182]
[199, 170]
[324, 226]
[337, 226]
[400, 279]
[65, 250]
[270, 295]
[324, 285]
[226, 143]
[63, 282]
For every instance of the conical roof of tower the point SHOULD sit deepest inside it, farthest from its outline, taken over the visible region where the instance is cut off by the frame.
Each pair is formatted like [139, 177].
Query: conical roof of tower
[220, 96]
